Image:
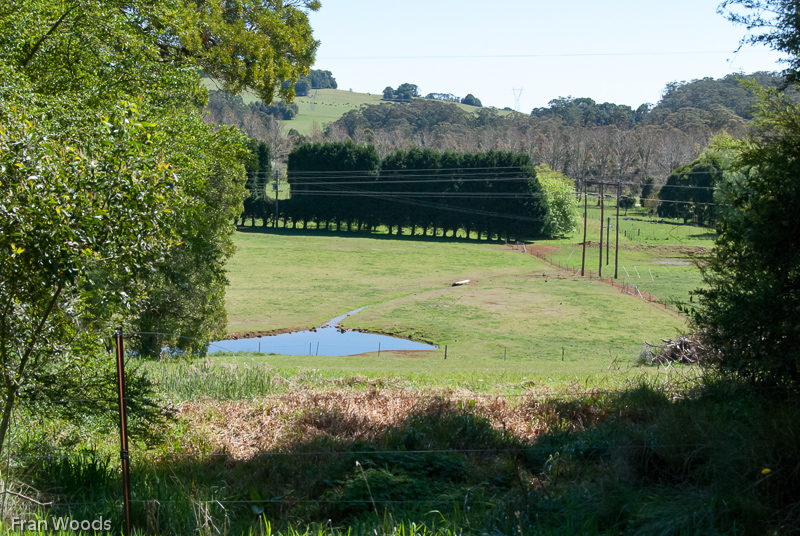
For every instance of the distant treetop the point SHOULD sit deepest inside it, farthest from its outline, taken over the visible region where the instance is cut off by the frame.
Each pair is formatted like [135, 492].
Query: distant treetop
[404, 92]
[471, 100]
[322, 80]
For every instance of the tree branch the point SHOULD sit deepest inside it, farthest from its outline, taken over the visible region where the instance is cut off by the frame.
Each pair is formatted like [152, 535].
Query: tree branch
[21, 496]
[41, 40]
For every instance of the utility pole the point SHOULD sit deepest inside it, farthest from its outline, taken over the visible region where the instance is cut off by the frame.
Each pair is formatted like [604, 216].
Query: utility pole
[585, 210]
[277, 195]
[616, 245]
[600, 263]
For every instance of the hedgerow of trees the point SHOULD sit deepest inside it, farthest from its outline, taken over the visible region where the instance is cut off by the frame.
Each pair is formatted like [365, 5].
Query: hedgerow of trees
[257, 204]
[348, 186]
[316, 79]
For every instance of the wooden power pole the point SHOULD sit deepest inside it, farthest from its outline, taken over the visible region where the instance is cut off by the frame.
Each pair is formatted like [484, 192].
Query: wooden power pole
[602, 214]
[585, 210]
[616, 244]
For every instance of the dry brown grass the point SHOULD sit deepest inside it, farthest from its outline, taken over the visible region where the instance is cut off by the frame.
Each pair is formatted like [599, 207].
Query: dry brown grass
[244, 428]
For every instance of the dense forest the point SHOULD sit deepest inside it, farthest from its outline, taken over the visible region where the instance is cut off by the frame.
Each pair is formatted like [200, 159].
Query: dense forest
[575, 136]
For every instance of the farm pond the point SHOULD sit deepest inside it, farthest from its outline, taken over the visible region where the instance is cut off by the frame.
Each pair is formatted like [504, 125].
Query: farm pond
[327, 340]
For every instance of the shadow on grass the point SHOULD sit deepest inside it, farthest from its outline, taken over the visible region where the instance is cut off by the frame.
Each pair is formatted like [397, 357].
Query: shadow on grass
[358, 234]
[702, 236]
[638, 461]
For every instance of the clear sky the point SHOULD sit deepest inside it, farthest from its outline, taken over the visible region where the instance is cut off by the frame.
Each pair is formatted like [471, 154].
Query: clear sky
[621, 51]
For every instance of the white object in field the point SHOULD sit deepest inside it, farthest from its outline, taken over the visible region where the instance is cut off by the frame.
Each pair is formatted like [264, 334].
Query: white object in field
[459, 283]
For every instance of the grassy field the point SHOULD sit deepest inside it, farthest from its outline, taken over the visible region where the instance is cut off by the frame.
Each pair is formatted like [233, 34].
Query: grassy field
[656, 256]
[324, 106]
[518, 319]
[413, 445]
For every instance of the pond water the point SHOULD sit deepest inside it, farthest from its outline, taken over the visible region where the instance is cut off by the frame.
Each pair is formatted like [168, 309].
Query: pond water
[326, 341]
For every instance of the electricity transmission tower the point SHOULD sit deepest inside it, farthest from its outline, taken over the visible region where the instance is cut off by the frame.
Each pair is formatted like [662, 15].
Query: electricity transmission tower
[314, 101]
[517, 95]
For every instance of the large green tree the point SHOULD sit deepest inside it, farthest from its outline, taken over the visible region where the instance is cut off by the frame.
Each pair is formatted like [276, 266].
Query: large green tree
[562, 203]
[689, 191]
[116, 200]
[751, 308]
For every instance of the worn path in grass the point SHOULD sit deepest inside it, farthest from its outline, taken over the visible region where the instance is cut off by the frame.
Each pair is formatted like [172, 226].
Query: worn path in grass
[509, 320]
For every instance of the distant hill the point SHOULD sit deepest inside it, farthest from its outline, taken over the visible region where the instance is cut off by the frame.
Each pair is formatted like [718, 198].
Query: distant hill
[577, 136]
[708, 103]
[709, 93]
[419, 116]
[322, 107]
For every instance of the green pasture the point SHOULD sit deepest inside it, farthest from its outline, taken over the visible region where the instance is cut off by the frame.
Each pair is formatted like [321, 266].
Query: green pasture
[656, 255]
[296, 280]
[324, 106]
[281, 189]
[510, 324]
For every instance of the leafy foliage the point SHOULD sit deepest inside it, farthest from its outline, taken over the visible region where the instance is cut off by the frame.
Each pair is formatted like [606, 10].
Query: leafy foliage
[471, 100]
[584, 111]
[231, 110]
[562, 205]
[404, 92]
[780, 27]
[446, 97]
[709, 94]
[751, 310]
[689, 191]
[322, 79]
[116, 200]
[81, 220]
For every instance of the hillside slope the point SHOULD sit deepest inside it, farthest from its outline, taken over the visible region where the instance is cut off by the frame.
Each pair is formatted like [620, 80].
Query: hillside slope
[324, 106]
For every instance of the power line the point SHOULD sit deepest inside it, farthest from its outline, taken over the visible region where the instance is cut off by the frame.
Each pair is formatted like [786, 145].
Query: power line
[501, 56]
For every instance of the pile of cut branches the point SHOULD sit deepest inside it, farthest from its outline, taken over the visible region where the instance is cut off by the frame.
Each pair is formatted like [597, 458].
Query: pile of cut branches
[685, 350]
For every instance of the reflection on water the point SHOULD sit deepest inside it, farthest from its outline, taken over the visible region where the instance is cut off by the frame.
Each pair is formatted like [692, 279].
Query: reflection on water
[326, 341]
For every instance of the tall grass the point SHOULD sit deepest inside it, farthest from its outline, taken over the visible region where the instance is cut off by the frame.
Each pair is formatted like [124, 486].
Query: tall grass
[187, 380]
[707, 458]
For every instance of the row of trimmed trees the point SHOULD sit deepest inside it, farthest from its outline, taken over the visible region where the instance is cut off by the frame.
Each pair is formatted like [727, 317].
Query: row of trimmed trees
[347, 186]
[257, 204]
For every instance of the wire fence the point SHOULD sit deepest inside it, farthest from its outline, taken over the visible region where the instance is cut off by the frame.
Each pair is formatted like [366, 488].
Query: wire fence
[625, 287]
[358, 454]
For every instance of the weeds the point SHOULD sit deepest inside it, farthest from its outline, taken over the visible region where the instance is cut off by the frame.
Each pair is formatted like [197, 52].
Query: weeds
[646, 460]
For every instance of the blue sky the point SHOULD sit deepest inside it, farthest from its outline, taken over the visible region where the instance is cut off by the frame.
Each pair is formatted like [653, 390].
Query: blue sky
[620, 51]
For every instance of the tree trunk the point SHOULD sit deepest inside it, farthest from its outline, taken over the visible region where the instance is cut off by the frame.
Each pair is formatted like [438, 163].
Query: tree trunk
[7, 409]
[11, 384]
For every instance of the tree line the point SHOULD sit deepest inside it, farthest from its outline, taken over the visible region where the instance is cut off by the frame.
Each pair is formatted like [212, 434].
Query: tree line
[344, 186]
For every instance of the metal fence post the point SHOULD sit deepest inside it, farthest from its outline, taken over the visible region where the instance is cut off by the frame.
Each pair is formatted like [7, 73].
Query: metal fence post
[123, 430]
